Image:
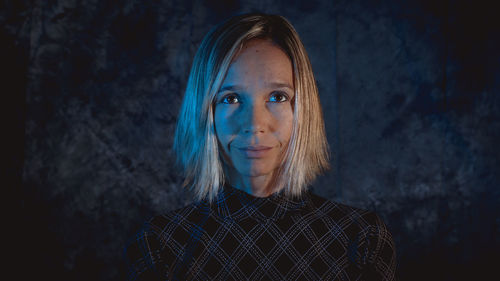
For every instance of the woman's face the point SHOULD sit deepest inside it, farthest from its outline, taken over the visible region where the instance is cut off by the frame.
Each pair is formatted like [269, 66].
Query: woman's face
[253, 111]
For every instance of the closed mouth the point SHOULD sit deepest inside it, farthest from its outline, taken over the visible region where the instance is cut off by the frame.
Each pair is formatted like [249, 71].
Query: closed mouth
[255, 152]
[255, 148]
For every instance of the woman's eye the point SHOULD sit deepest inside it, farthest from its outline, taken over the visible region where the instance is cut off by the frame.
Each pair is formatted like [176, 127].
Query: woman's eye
[278, 97]
[230, 99]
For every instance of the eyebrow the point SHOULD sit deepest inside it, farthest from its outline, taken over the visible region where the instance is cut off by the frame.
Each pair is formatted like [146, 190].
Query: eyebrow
[271, 85]
[281, 85]
[229, 88]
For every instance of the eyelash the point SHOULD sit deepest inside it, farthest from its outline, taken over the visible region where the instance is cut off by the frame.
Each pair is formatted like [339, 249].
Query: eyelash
[274, 94]
[283, 94]
[224, 98]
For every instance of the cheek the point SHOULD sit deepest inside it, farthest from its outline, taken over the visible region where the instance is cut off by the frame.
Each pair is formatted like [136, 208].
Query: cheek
[283, 124]
[223, 127]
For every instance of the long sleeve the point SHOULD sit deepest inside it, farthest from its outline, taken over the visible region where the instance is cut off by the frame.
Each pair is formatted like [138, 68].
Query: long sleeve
[144, 261]
[381, 262]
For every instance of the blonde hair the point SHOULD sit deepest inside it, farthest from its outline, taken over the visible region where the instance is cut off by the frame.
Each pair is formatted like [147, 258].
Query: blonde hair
[195, 141]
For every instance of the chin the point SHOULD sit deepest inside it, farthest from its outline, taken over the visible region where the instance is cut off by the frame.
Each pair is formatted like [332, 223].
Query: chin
[256, 171]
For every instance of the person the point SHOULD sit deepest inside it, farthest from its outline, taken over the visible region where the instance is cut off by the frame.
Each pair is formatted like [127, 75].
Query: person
[251, 139]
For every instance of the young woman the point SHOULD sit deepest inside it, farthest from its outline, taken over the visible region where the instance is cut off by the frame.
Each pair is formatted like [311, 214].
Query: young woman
[251, 138]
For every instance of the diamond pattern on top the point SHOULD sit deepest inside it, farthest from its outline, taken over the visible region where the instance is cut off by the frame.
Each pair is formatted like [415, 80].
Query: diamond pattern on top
[242, 237]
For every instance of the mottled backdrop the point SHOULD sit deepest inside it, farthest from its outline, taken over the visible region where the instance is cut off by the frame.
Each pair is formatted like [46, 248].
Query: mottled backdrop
[410, 92]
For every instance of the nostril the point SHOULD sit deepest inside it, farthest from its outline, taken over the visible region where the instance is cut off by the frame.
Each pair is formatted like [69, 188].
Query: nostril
[254, 130]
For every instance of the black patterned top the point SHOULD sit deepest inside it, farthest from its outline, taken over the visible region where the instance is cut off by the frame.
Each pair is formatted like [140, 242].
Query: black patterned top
[242, 237]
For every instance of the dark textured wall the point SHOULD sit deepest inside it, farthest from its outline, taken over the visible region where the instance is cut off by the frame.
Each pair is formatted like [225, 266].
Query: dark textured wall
[410, 92]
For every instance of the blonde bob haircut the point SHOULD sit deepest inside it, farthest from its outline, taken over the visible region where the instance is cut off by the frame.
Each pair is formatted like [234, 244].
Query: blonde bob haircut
[195, 142]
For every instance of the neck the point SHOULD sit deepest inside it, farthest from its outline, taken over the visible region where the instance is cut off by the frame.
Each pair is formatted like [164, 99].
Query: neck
[258, 186]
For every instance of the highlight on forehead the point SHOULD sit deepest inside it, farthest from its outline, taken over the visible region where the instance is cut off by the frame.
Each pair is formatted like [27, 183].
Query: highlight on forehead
[280, 83]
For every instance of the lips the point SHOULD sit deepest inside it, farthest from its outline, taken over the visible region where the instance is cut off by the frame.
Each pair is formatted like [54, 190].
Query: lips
[255, 152]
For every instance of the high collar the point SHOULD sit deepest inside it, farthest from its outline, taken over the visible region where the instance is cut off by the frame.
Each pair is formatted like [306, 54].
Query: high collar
[236, 204]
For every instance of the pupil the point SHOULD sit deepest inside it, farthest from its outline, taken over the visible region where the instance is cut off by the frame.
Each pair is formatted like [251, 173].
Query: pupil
[231, 99]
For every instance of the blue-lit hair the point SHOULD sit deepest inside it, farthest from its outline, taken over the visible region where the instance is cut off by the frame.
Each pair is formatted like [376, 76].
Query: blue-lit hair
[195, 141]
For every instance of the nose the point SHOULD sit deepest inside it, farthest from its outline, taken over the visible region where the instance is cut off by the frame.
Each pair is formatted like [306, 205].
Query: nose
[255, 118]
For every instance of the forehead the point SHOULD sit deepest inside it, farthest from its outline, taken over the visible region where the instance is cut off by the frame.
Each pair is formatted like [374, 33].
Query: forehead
[259, 61]
[267, 46]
